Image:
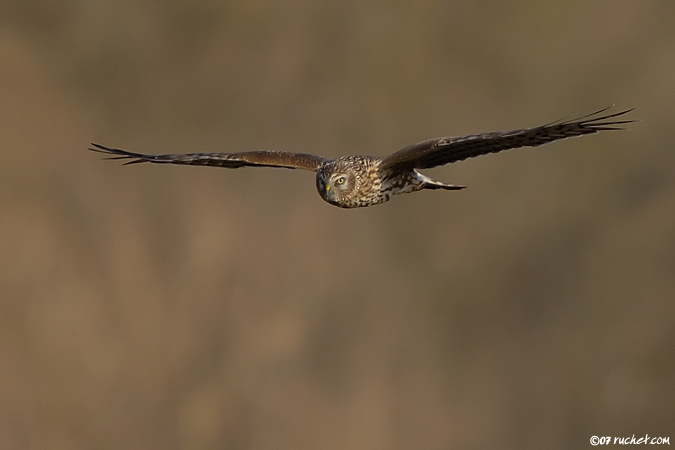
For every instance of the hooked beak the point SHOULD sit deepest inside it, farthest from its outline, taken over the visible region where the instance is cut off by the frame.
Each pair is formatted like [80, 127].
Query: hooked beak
[327, 187]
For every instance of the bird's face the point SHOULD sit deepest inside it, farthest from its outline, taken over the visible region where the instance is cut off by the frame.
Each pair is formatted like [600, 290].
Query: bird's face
[335, 187]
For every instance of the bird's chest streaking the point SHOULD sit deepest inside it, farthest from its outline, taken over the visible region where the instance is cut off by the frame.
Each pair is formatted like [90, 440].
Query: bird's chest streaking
[368, 188]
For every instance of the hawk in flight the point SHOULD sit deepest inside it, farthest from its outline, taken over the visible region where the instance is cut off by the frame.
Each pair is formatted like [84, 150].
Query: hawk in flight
[355, 181]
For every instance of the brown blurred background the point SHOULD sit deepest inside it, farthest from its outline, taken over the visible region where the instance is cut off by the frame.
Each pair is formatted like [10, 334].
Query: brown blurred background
[156, 307]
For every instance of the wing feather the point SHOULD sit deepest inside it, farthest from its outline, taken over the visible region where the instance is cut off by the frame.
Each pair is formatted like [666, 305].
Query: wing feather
[258, 158]
[440, 151]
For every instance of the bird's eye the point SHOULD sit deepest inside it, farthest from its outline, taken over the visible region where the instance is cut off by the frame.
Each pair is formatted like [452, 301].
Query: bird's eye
[340, 180]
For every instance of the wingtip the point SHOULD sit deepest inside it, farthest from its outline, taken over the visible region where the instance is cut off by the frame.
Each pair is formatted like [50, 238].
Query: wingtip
[101, 148]
[115, 153]
[94, 147]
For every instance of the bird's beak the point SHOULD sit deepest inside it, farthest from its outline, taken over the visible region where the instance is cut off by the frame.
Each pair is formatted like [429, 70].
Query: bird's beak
[327, 187]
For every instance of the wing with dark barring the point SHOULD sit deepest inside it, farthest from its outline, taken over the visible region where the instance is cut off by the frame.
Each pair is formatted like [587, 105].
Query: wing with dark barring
[257, 158]
[440, 151]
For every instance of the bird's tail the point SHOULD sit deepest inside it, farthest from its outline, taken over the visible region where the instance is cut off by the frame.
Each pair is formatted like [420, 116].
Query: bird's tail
[433, 184]
[428, 183]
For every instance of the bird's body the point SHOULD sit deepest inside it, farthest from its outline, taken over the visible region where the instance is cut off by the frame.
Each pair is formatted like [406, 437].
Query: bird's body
[356, 181]
[370, 183]
[363, 179]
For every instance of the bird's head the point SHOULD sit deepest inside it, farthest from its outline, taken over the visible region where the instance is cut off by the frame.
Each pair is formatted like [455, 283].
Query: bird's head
[336, 183]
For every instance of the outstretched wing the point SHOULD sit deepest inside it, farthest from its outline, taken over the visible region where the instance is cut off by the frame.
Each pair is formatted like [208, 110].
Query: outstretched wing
[439, 151]
[258, 158]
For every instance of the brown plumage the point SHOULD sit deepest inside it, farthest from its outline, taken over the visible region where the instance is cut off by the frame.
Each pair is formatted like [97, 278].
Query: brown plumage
[357, 181]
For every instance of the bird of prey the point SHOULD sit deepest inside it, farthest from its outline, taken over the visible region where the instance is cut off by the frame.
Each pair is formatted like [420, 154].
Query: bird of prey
[356, 181]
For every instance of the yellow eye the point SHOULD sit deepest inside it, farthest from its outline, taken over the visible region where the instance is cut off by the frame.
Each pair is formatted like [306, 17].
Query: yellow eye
[340, 180]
